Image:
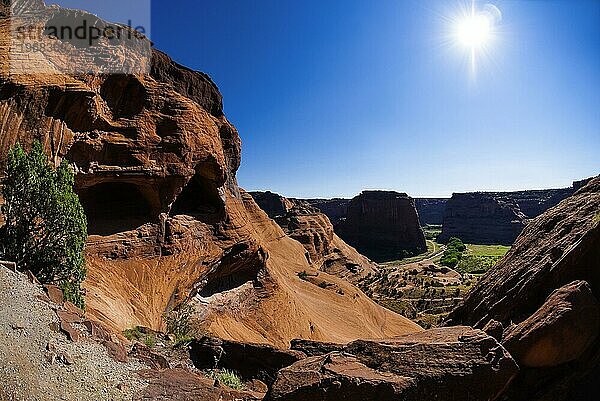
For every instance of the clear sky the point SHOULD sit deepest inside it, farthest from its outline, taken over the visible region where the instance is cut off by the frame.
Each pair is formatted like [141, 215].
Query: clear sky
[333, 97]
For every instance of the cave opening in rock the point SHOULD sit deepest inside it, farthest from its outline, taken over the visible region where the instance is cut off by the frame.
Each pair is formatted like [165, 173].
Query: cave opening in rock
[200, 199]
[240, 264]
[115, 207]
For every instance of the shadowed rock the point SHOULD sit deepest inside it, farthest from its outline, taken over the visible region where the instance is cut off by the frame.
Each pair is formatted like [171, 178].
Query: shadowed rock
[383, 225]
[555, 331]
[307, 225]
[560, 331]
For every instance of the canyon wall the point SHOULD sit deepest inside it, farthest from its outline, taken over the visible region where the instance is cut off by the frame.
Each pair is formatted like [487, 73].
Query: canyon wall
[497, 217]
[155, 161]
[542, 301]
[431, 210]
[482, 218]
[383, 225]
[336, 209]
[307, 225]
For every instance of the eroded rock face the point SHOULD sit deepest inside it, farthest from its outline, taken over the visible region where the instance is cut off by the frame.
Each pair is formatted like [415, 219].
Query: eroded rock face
[336, 209]
[155, 162]
[497, 217]
[456, 363]
[482, 218]
[383, 225]
[562, 330]
[307, 225]
[558, 248]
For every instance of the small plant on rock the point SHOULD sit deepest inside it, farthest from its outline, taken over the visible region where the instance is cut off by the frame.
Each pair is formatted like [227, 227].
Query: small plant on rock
[228, 378]
[182, 324]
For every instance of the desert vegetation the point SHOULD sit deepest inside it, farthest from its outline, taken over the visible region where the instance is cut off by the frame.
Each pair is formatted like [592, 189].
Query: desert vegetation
[423, 288]
[453, 253]
[45, 225]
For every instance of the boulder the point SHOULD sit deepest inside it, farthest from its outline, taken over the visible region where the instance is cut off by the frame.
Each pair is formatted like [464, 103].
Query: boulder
[456, 363]
[560, 331]
[251, 361]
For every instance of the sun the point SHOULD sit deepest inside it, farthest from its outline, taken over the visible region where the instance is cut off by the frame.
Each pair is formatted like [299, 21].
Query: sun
[474, 31]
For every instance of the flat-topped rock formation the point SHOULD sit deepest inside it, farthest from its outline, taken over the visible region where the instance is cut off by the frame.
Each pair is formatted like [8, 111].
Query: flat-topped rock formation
[307, 225]
[383, 225]
[482, 218]
[497, 217]
[431, 211]
[544, 293]
[156, 161]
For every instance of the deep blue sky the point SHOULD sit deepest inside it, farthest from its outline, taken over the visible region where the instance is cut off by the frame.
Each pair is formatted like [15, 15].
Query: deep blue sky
[333, 97]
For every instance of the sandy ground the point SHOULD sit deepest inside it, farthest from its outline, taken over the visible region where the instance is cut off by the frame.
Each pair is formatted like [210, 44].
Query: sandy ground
[25, 336]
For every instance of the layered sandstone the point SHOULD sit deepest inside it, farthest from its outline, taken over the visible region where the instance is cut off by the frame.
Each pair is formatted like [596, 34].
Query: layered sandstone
[548, 285]
[383, 225]
[155, 162]
[307, 225]
[336, 209]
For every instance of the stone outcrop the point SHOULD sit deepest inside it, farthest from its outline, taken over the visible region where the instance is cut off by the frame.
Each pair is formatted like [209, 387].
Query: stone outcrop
[182, 385]
[307, 225]
[431, 210]
[456, 363]
[383, 225]
[558, 250]
[250, 361]
[155, 162]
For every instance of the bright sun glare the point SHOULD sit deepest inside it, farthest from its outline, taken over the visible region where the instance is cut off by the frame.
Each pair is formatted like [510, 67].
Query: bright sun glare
[474, 31]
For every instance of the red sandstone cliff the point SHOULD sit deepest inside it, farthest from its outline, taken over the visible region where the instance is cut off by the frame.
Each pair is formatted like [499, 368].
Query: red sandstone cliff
[156, 160]
[307, 225]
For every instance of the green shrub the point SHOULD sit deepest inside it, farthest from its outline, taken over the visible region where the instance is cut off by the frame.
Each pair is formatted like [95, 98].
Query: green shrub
[228, 378]
[457, 244]
[453, 253]
[45, 230]
[133, 334]
[150, 341]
